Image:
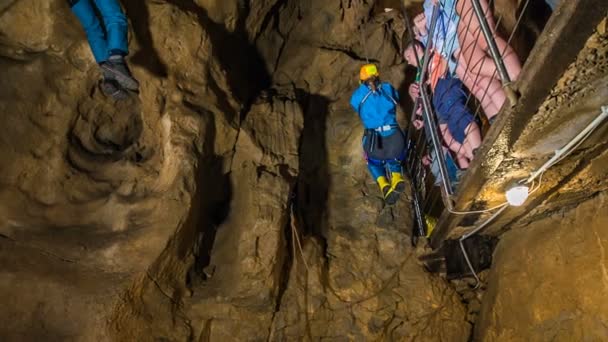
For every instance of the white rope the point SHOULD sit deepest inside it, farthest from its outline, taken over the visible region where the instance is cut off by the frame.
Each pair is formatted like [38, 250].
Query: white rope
[559, 155]
[471, 233]
[572, 145]
[478, 211]
[295, 240]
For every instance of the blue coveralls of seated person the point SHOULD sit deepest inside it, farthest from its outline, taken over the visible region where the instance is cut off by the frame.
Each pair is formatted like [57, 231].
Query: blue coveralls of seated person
[450, 102]
[383, 139]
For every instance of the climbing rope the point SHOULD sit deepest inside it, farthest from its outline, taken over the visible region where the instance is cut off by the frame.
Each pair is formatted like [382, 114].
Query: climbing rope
[295, 238]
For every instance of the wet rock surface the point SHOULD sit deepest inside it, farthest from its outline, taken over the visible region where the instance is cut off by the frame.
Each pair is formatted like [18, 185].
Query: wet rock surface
[176, 215]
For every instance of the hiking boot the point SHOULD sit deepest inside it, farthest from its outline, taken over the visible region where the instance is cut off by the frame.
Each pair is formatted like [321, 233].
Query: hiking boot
[115, 68]
[397, 182]
[390, 196]
[111, 88]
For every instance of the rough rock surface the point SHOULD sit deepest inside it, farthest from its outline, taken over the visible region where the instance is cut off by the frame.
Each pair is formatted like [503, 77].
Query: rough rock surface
[175, 215]
[549, 281]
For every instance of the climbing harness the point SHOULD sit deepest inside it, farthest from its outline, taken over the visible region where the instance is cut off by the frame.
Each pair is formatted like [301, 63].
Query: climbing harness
[385, 128]
[373, 141]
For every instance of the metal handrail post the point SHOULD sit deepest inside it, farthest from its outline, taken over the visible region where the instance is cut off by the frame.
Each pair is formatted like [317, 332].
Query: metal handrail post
[422, 228]
[412, 146]
[412, 150]
[427, 48]
[416, 202]
[500, 65]
[429, 119]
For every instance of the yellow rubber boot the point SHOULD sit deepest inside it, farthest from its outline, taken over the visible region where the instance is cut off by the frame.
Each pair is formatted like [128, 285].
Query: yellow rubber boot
[390, 196]
[431, 222]
[397, 182]
[384, 185]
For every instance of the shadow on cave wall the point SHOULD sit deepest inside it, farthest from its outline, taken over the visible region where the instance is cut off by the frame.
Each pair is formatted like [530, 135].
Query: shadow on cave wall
[146, 56]
[535, 16]
[6, 5]
[245, 68]
[213, 205]
[314, 179]
[210, 205]
[405, 102]
[247, 76]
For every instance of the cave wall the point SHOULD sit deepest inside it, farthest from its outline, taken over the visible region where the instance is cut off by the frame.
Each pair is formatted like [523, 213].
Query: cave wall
[96, 194]
[549, 281]
[229, 200]
[360, 272]
[175, 215]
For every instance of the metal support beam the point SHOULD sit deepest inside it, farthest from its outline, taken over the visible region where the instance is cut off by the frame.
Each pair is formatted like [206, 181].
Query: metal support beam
[422, 229]
[429, 118]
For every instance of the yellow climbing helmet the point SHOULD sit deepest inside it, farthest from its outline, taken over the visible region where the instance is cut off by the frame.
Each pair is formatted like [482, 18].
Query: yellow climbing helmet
[367, 71]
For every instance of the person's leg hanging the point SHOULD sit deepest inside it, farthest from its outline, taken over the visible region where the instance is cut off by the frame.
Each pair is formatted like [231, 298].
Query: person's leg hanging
[397, 181]
[85, 12]
[493, 89]
[472, 139]
[116, 26]
[376, 169]
[117, 31]
[488, 91]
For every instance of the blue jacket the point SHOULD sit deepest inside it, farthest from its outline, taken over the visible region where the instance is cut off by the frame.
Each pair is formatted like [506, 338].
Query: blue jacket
[378, 109]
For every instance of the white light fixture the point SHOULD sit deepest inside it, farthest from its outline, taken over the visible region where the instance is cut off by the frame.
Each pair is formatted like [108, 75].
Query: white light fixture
[517, 195]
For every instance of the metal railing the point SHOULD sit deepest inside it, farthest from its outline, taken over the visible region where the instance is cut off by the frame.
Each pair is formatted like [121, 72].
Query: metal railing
[429, 117]
[421, 142]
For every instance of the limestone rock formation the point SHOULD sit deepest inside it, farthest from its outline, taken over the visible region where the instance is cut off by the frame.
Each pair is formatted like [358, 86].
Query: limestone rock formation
[239, 294]
[176, 215]
[549, 280]
[407, 307]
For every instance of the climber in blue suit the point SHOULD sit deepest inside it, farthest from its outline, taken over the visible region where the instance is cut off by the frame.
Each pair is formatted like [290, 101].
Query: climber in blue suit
[383, 139]
[109, 46]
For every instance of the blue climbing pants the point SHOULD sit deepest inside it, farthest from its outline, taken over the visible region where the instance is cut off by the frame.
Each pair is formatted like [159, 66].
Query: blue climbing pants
[378, 167]
[114, 39]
